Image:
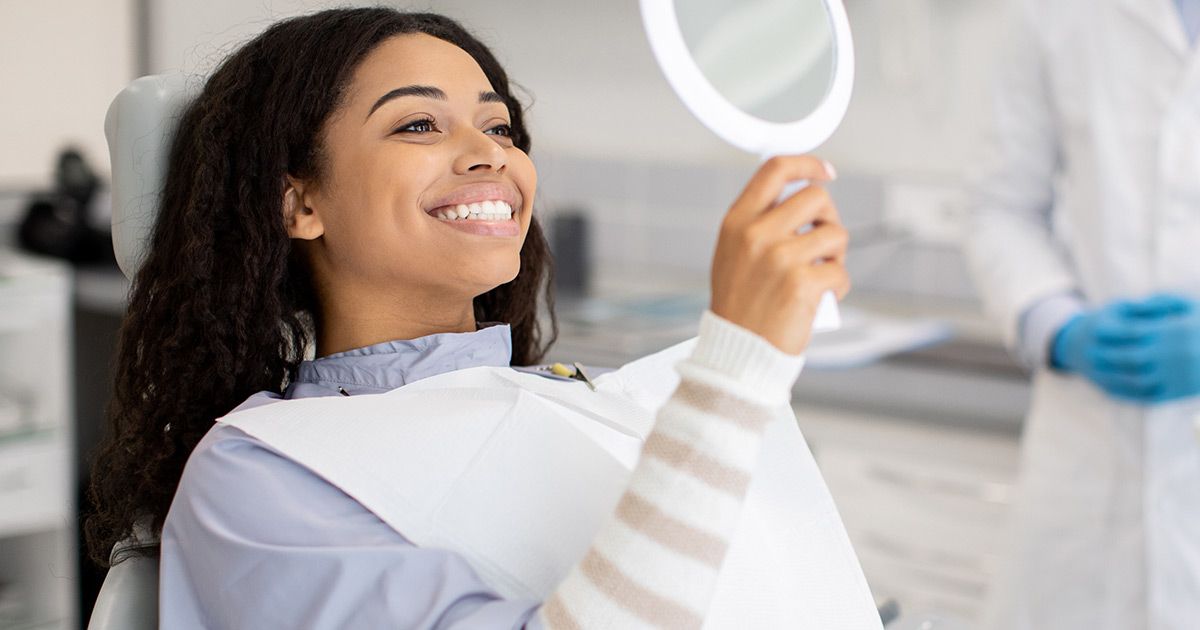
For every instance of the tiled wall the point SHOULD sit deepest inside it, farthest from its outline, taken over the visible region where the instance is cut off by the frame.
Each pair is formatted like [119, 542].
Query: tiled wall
[642, 214]
[653, 216]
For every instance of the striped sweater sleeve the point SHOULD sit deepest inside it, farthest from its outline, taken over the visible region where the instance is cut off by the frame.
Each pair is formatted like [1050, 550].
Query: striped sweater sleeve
[655, 562]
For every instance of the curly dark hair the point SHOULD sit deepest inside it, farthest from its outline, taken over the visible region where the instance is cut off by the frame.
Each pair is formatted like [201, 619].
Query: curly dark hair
[223, 307]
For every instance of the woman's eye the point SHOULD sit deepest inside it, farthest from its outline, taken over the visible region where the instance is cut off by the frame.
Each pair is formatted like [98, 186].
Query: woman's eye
[501, 130]
[425, 125]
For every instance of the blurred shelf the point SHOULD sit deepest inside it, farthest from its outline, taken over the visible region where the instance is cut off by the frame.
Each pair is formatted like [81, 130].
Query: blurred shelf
[925, 506]
[35, 625]
[34, 492]
[26, 435]
[37, 511]
[42, 624]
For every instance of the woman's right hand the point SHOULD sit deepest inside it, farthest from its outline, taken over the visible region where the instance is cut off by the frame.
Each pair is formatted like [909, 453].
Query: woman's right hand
[768, 279]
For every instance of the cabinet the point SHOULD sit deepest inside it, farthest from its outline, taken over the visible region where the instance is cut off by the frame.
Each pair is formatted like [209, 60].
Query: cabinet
[37, 516]
[926, 505]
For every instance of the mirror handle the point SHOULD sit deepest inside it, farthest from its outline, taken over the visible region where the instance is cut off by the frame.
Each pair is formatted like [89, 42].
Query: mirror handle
[829, 317]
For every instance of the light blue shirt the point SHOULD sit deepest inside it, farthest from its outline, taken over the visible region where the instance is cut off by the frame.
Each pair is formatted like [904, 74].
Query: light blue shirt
[1189, 15]
[255, 540]
[1040, 325]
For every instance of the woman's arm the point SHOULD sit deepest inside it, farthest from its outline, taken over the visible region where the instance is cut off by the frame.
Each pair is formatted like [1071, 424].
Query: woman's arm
[655, 562]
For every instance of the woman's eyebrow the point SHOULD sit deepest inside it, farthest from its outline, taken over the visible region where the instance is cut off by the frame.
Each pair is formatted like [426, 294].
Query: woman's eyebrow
[491, 97]
[428, 91]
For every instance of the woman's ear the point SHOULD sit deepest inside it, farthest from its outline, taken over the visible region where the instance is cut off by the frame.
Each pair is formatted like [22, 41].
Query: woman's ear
[301, 220]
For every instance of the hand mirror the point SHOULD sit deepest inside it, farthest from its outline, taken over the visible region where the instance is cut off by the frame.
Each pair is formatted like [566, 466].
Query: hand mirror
[768, 76]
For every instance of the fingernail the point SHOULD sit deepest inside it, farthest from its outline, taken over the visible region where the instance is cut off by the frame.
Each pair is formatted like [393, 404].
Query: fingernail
[830, 172]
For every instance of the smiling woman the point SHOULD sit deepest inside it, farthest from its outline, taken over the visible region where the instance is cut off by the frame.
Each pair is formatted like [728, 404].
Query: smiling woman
[357, 183]
[293, 215]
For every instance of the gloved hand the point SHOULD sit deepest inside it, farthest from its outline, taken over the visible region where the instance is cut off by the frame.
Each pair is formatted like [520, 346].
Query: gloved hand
[1146, 351]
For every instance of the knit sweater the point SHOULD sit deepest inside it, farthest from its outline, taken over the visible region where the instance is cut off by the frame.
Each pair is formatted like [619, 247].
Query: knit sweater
[655, 562]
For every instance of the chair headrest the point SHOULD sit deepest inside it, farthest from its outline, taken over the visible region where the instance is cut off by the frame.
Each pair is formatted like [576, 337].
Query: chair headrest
[139, 128]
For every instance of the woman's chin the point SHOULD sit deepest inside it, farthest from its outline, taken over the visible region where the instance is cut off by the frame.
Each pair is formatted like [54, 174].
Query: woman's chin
[494, 277]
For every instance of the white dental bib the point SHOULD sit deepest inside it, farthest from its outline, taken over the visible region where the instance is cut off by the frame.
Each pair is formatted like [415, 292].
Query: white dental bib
[517, 473]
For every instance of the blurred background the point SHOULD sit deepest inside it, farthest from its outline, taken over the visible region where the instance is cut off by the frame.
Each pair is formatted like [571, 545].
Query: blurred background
[914, 409]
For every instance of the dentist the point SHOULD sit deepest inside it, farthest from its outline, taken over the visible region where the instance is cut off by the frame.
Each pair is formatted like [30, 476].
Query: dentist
[1084, 245]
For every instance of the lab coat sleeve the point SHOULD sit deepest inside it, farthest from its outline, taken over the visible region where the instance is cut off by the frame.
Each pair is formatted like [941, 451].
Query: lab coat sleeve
[254, 540]
[1010, 243]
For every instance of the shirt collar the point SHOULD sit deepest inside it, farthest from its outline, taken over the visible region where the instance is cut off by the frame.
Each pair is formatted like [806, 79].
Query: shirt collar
[385, 366]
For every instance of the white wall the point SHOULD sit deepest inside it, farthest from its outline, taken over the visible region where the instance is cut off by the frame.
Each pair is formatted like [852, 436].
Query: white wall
[611, 138]
[922, 86]
[596, 89]
[61, 62]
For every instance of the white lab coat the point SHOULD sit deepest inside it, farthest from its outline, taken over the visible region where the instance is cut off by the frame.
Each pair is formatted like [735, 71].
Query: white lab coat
[1092, 184]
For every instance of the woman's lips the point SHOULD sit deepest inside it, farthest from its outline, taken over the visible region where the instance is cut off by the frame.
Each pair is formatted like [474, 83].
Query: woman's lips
[483, 208]
[485, 218]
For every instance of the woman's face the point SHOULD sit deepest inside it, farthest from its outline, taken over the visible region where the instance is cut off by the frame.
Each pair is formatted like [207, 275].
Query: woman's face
[420, 176]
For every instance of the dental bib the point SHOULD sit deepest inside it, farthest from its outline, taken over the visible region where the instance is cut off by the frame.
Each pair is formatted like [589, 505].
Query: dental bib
[517, 473]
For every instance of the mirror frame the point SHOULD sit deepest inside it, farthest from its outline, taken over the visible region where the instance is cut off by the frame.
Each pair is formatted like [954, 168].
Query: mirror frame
[736, 127]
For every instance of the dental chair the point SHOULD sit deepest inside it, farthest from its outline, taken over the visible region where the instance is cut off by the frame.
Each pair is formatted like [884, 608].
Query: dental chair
[139, 126]
[128, 599]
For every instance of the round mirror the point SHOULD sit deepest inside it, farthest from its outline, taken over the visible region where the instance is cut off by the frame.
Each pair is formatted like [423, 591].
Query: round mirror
[772, 59]
[768, 76]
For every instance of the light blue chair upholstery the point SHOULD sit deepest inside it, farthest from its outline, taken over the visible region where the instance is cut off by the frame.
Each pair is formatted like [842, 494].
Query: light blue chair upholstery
[139, 127]
[129, 598]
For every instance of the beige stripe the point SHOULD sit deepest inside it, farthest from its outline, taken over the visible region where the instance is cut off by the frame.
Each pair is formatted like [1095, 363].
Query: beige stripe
[557, 615]
[635, 598]
[671, 533]
[681, 456]
[708, 399]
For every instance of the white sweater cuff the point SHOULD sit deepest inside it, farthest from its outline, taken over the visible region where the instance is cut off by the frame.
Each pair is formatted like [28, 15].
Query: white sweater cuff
[759, 369]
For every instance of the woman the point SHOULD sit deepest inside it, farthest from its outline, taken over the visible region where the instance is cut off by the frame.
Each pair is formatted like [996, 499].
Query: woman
[358, 181]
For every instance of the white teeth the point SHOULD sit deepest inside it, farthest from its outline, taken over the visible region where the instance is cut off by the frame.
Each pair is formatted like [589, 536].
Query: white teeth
[481, 211]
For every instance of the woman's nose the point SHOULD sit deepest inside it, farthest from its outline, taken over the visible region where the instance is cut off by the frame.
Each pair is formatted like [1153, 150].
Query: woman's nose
[479, 152]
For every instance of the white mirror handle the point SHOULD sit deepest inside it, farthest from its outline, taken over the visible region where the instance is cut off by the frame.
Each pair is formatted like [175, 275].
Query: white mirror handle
[828, 317]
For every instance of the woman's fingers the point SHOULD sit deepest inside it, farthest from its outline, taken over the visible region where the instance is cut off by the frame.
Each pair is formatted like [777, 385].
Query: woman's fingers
[767, 184]
[824, 244]
[839, 279]
[775, 259]
[810, 283]
[810, 207]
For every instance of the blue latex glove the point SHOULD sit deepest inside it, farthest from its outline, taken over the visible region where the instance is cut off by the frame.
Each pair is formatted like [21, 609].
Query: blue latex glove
[1146, 351]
